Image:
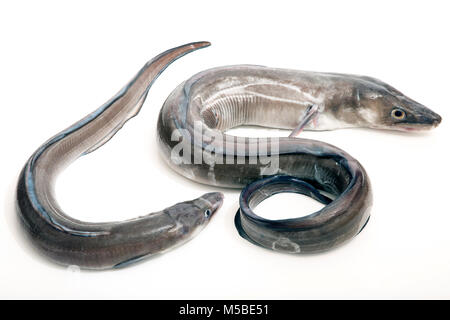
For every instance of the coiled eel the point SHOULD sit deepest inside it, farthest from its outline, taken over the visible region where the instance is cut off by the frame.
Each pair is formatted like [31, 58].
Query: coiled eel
[192, 138]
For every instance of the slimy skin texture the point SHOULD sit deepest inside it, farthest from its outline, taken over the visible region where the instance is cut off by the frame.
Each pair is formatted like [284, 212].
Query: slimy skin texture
[226, 97]
[69, 241]
[220, 99]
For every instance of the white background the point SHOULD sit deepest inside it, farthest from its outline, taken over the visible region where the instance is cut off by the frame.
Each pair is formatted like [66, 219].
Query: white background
[58, 62]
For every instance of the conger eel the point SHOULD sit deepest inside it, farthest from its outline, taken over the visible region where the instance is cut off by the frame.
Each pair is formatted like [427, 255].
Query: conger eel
[199, 111]
[190, 133]
[114, 244]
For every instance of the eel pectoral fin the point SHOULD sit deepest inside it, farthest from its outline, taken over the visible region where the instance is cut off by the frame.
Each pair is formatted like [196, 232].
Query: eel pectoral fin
[310, 114]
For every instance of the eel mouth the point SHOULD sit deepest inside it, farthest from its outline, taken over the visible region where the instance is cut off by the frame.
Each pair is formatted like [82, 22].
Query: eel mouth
[416, 127]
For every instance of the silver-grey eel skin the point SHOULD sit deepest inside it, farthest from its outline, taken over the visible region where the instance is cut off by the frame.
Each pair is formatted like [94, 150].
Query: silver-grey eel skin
[68, 241]
[218, 99]
[212, 102]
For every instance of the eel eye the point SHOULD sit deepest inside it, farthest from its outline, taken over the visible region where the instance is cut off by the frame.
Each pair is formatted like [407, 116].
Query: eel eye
[207, 213]
[398, 114]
